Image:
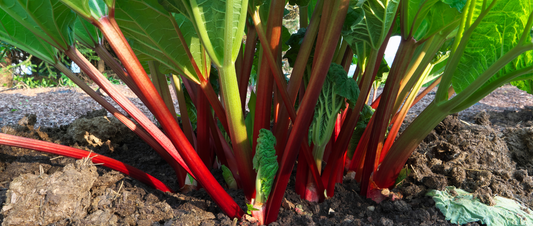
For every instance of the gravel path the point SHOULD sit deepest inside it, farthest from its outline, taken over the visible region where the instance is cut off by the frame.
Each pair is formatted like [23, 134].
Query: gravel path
[61, 106]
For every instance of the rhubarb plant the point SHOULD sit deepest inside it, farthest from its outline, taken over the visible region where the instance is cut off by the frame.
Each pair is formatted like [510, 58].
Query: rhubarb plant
[321, 116]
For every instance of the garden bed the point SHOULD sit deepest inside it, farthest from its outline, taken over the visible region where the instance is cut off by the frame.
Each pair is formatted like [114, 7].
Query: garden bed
[487, 150]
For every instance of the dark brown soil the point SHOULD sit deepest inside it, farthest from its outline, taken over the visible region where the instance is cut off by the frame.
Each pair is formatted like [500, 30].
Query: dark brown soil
[490, 155]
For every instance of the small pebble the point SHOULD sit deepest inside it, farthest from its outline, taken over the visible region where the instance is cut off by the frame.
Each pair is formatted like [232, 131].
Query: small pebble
[331, 212]
[371, 208]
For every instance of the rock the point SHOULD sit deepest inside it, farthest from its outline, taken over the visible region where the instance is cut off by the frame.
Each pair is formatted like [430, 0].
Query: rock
[101, 217]
[44, 199]
[28, 120]
[96, 131]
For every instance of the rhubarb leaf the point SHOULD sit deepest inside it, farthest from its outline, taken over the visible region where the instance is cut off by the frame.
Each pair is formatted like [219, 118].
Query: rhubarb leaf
[526, 85]
[499, 31]
[50, 20]
[176, 6]
[228, 177]
[457, 4]
[12, 32]
[220, 24]
[90, 9]
[415, 13]
[441, 17]
[86, 33]
[266, 164]
[369, 21]
[337, 87]
[362, 122]
[299, 2]
[152, 35]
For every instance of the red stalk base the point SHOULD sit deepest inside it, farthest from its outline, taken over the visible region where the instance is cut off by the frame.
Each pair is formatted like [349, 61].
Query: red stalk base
[311, 193]
[259, 214]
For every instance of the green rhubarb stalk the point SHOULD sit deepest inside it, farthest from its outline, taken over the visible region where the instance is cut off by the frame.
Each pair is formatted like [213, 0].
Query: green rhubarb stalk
[182, 104]
[160, 83]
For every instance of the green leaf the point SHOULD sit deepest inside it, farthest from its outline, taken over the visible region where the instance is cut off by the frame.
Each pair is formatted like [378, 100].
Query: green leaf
[50, 20]
[461, 207]
[383, 73]
[336, 88]
[285, 35]
[441, 17]
[12, 32]
[90, 9]
[362, 122]
[176, 6]
[249, 120]
[457, 4]
[415, 14]
[526, 85]
[150, 31]
[299, 2]
[86, 33]
[228, 177]
[295, 41]
[497, 33]
[265, 163]
[220, 24]
[369, 21]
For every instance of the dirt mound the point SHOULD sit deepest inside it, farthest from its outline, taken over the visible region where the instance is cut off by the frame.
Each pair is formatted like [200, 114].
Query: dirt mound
[45, 199]
[478, 158]
[473, 157]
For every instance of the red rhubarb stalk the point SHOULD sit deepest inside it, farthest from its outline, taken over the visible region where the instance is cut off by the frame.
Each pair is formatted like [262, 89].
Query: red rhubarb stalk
[323, 60]
[48, 147]
[132, 65]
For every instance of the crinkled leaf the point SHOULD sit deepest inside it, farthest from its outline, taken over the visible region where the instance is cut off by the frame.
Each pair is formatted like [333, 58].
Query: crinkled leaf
[526, 85]
[12, 32]
[151, 34]
[497, 33]
[265, 163]
[86, 33]
[369, 22]
[336, 88]
[461, 207]
[50, 20]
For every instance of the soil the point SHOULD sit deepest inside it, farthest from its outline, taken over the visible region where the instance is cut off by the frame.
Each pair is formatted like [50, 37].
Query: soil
[486, 152]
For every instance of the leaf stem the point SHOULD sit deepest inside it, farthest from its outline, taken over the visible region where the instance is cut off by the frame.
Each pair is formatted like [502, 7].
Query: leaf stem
[62, 150]
[133, 66]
